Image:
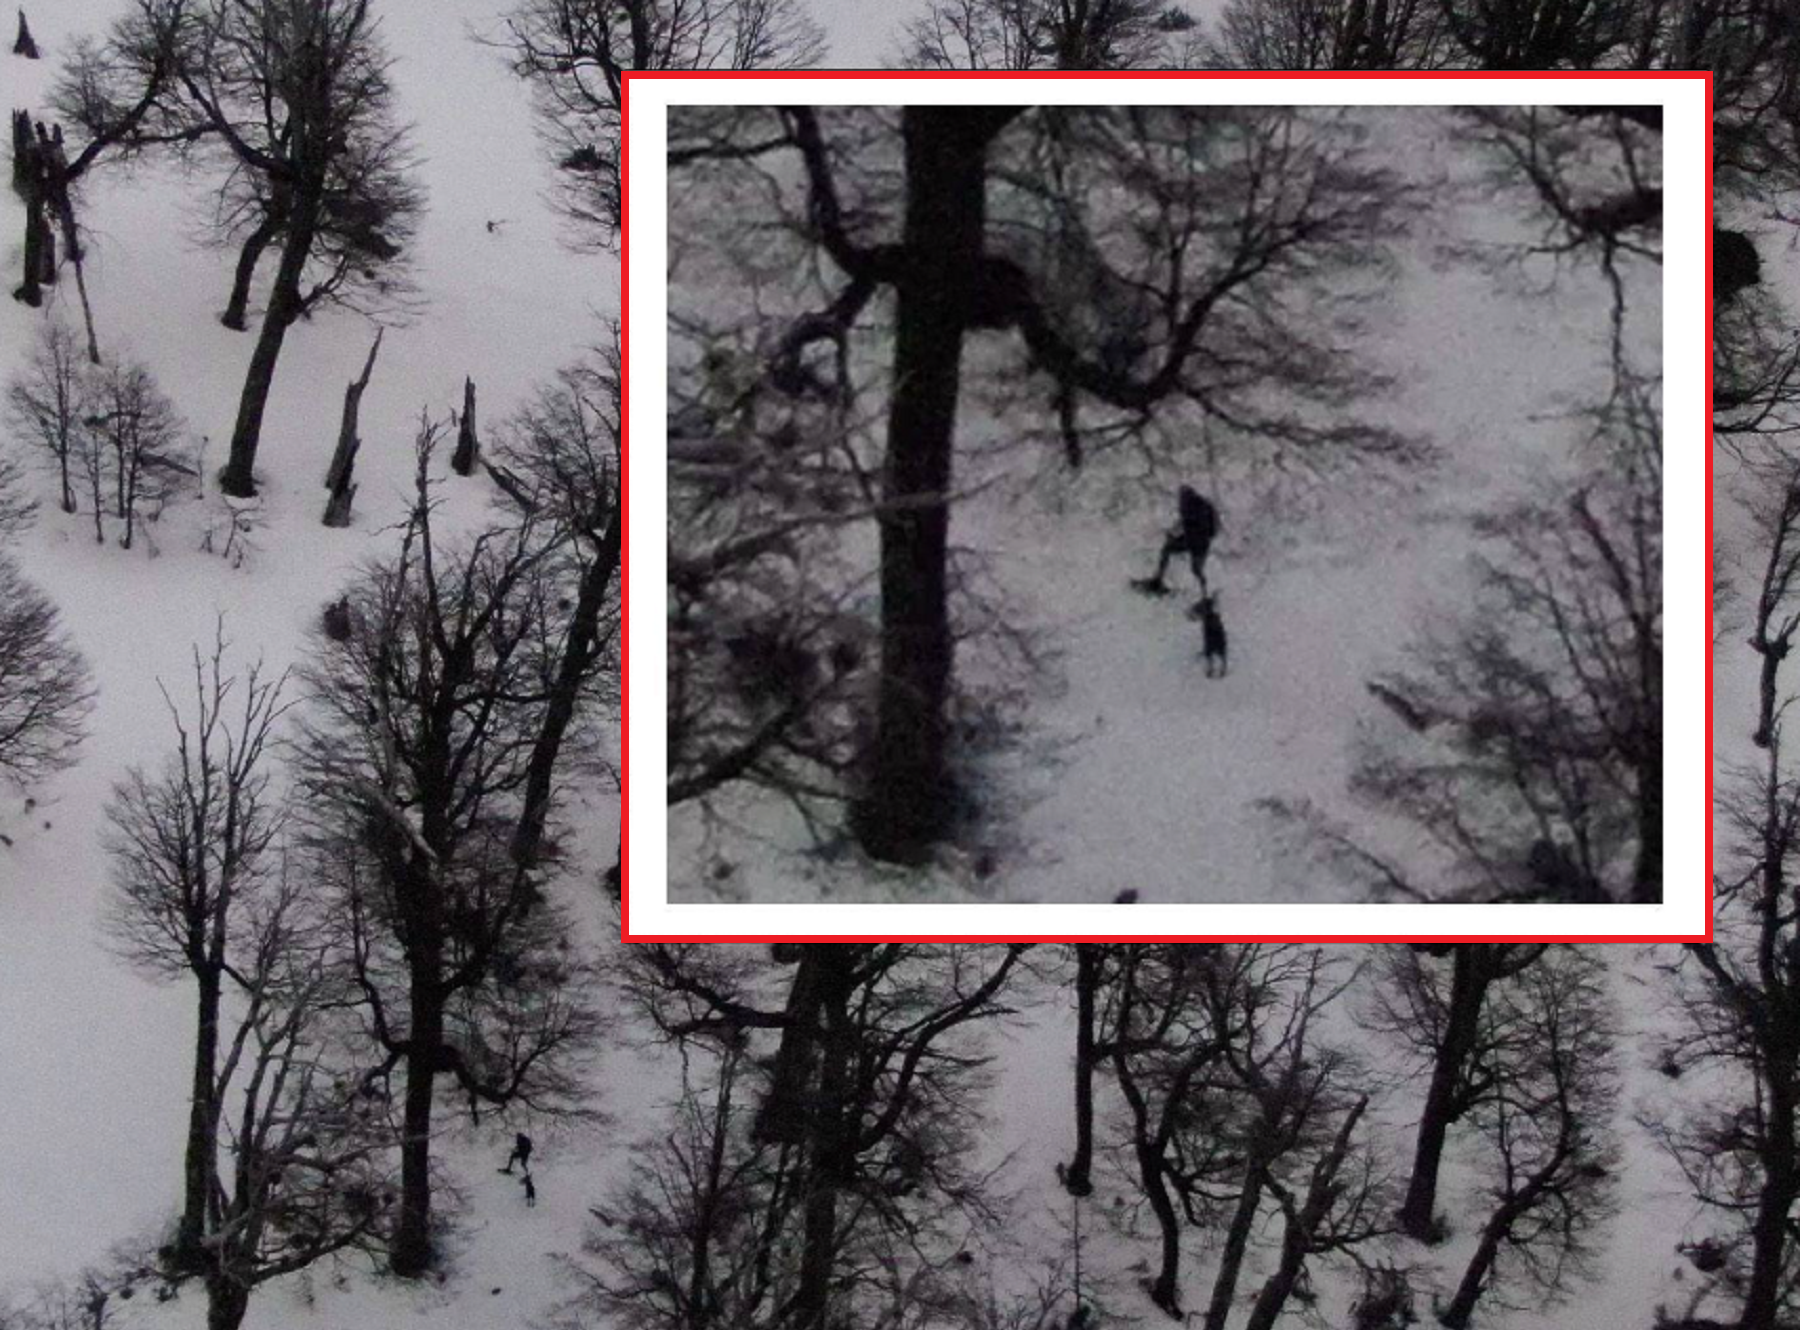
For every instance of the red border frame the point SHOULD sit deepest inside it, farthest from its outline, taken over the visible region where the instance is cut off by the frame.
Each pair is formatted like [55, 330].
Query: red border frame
[625, 547]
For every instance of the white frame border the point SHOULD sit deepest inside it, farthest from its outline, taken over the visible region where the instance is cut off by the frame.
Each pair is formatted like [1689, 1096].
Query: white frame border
[1681, 916]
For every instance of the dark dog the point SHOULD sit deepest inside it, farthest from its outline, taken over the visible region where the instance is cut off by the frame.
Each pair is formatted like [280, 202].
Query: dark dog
[1212, 632]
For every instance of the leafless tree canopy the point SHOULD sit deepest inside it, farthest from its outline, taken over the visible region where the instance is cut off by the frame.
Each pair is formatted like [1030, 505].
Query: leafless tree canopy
[575, 52]
[46, 690]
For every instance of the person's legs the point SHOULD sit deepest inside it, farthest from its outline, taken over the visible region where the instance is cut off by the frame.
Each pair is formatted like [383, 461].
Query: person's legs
[1173, 544]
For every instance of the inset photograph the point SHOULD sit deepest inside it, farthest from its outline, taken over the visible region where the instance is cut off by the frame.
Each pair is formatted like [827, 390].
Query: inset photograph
[1165, 504]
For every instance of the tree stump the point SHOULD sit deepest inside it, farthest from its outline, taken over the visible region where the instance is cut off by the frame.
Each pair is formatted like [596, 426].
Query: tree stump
[23, 44]
[343, 458]
[468, 447]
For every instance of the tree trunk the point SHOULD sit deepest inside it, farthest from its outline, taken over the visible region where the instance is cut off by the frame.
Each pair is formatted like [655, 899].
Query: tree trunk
[1280, 1285]
[248, 257]
[468, 447]
[1077, 1178]
[907, 805]
[37, 238]
[829, 1145]
[238, 479]
[1237, 1241]
[201, 1161]
[410, 1254]
[1468, 1291]
[343, 458]
[580, 649]
[1647, 883]
[708, 1202]
[1468, 988]
[226, 1302]
[783, 1117]
[1780, 1190]
[22, 160]
[1165, 1291]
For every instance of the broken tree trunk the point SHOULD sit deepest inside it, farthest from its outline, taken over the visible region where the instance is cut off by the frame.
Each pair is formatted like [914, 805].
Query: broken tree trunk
[468, 448]
[31, 174]
[21, 150]
[61, 202]
[343, 459]
[23, 44]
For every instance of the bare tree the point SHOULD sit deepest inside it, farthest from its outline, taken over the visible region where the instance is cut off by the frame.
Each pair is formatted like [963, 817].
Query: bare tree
[575, 53]
[135, 427]
[1328, 34]
[415, 750]
[559, 466]
[1549, 1127]
[871, 1085]
[46, 690]
[1559, 34]
[190, 846]
[47, 400]
[689, 1241]
[308, 1146]
[1738, 997]
[297, 93]
[1439, 1014]
[366, 223]
[1531, 756]
[18, 508]
[1233, 1107]
[1040, 34]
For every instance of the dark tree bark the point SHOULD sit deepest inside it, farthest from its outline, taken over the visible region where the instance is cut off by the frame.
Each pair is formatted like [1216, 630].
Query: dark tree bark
[581, 649]
[1779, 1192]
[410, 1251]
[21, 148]
[338, 477]
[199, 1161]
[1475, 968]
[227, 1302]
[908, 803]
[23, 43]
[1237, 1242]
[830, 1143]
[31, 180]
[468, 447]
[1077, 1177]
[1647, 874]
[248, 257]
[1468, 986]
[1302, 1226]
[285, 302]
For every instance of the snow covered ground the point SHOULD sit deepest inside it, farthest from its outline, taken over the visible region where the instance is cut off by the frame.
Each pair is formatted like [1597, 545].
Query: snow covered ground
[92, 1074]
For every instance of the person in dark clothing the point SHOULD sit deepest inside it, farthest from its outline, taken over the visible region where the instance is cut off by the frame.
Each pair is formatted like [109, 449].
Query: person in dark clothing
[521, 1151]
[1192, 536]
[1212, 632]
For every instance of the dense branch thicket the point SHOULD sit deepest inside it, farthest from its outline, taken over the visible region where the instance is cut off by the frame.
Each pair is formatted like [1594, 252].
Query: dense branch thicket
[574, 54]
[46, 690]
